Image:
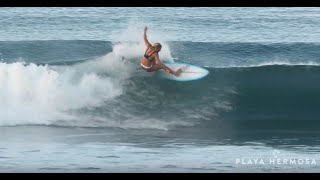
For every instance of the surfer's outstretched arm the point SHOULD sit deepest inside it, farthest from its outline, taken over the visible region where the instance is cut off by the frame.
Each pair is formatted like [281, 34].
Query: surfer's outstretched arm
[145, 37]
[160, 65]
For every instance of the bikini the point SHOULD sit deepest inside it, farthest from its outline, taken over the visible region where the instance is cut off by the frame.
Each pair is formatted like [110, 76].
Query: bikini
[149, 58]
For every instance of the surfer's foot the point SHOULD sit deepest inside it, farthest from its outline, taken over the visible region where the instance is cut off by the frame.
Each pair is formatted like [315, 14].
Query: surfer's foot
[185, 68]
[178, 72]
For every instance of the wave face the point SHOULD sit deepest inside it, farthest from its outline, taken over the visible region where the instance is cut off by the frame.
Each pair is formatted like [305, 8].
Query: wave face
[100, 84]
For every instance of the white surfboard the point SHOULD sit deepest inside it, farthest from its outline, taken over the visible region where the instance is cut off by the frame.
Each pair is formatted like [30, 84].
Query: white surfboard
[190, 73]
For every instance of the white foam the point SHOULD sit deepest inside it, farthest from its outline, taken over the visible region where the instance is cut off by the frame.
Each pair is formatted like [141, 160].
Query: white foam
[271, 63]
[46, 95]
[35, 94]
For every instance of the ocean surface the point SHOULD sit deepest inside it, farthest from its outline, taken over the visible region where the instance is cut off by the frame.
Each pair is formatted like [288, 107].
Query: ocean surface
[73, 97]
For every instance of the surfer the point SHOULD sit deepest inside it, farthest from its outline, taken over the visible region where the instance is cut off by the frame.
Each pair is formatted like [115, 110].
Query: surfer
[150, 61]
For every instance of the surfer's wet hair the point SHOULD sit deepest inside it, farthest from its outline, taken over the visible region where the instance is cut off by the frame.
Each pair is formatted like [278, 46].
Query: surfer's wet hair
[157, 45]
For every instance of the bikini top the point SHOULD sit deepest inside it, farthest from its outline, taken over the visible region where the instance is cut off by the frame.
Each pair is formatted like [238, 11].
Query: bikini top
[149, 56]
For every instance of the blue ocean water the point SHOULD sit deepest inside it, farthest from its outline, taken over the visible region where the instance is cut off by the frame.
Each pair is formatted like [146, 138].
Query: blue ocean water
[74, 99]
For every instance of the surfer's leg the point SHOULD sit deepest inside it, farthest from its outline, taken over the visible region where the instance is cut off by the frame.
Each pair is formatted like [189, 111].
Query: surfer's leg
[157, 67]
